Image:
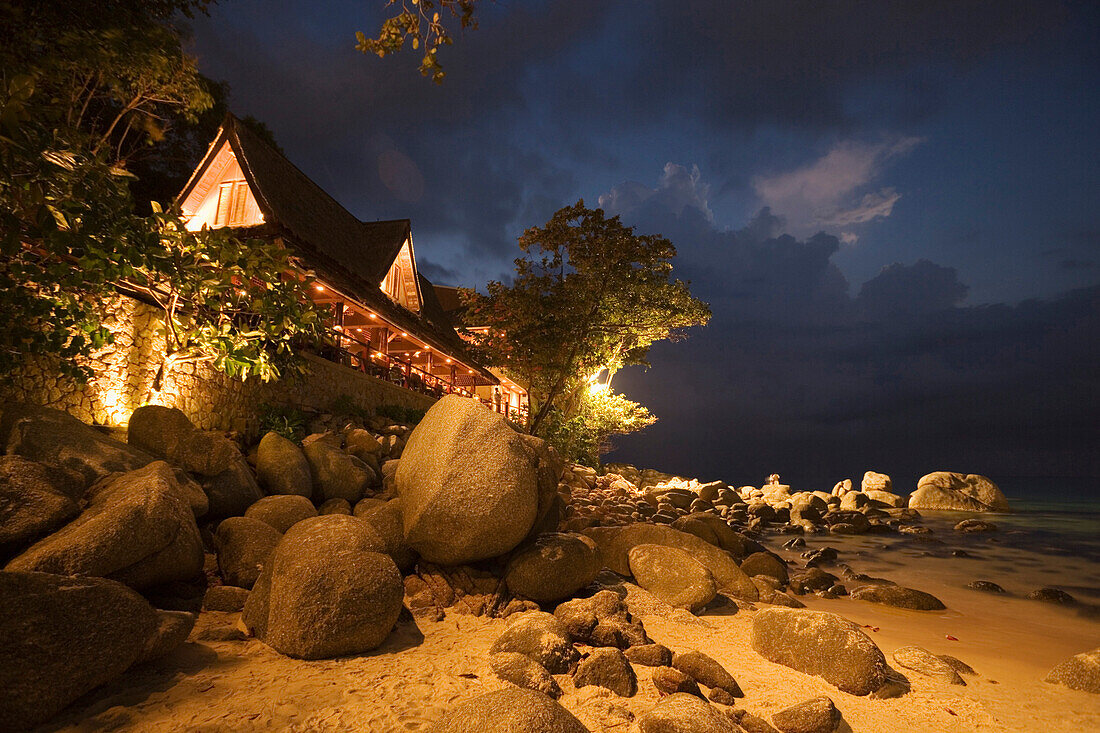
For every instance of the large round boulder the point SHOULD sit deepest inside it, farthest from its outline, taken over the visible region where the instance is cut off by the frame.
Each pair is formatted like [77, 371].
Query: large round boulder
[765, 563]
[522, 671]
[553, 567]
[685, 713]
[821, 644]
[818, 715]
[167, 433]
[615, 544]
[61, 637]
[510, 710]
[472, 486]
[328, 591]
[244, 545]
[962, 492]
[608, 668]
[138, 528]
[281, 466]
[673, 576]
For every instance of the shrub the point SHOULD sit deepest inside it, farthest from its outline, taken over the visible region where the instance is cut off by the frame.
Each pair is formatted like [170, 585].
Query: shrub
[286, 420]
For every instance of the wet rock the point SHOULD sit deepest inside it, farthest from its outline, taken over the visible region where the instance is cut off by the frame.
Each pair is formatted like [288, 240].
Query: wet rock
[898, 596]
[673, 576]
[814, 578]
[615, 544]
[602, 620]
[61, 637]
[765, 563]
[138, 528]
[958, 492]
[923, 661]
[607, 667]
[821, 644]
[327, 591]
[244, 545]
[510, 710]
[225, 598]
[522, 671]
[282, 511]
[1052, 595]
[684, 713]
[794, 543]
[957, 664]
[818, 715]
[282, 468]
[1079, 672]
[650, 655]
[669, 681]
[975, 525]
[33, 502]
[706, 671]
[888, 498]
[461, 464]
[552, 567]
[541, 637]
[985, 585]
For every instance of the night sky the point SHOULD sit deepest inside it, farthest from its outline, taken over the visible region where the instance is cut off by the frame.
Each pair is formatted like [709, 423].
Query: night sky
[893, 208]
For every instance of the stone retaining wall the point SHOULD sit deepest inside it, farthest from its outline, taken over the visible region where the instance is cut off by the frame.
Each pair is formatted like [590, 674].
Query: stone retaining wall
[125, 370]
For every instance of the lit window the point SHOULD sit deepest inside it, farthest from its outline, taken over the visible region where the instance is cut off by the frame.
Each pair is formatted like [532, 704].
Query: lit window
[232, 197]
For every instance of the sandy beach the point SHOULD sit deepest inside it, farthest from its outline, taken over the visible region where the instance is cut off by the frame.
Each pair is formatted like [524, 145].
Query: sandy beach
[221, 680]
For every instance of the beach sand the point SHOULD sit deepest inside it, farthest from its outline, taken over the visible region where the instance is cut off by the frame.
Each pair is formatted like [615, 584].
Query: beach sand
[425, 668]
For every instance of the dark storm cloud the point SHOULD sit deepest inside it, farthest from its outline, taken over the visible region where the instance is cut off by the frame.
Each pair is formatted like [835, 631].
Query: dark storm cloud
[796, 375]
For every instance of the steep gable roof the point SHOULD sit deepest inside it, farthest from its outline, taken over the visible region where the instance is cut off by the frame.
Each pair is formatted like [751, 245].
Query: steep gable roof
[289, 197]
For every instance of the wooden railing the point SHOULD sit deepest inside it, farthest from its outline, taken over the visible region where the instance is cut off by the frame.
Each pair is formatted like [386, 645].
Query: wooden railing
[395, 370]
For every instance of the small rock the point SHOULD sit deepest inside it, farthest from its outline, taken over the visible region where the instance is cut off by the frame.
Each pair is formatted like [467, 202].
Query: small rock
[975, 525]
[765, 563]
[281, 466]
[601, 620]
[706, 671]
[225, 598]
[685, 713]
[821, 644]
[335, 506]
[672, 575]
[509, 710]
[522, 671]
[1079, 672]
[1052, 595]
[669, 680]
[898, 596]
[721, 697]
[607, 667]
[244, 545]
[957, 664]
[282, 511]
[985, 585]
[818, 715]
[173, 628]
[541, 637]
[554, 566]
[650, 655]
[923, 661]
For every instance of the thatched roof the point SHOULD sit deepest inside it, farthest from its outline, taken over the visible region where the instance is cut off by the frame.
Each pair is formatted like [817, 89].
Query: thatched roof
[352, 255]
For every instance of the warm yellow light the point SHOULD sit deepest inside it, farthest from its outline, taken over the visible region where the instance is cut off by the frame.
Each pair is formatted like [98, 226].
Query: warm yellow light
[469, 371]
[373, 316]
[319, 288]
[448, 361]
[597, 388]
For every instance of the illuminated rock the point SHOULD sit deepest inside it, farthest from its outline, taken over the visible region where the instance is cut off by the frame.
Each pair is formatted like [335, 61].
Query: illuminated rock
[328, 591]
[510, 710]
[472, 486]
[553, 567]
[281, 466]
[958, 492]
[137, 528]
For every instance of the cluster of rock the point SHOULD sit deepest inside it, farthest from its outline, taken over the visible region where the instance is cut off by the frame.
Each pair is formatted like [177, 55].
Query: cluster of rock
[320, 545]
